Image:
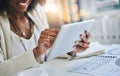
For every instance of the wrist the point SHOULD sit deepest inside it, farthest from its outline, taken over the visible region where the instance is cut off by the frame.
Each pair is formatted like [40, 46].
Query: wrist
[36, 52]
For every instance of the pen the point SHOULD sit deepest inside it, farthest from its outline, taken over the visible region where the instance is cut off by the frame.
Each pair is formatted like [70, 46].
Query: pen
[72, 57]
[45, 59]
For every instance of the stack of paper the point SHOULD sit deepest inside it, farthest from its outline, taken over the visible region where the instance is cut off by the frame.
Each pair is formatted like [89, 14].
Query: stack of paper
[93, 50]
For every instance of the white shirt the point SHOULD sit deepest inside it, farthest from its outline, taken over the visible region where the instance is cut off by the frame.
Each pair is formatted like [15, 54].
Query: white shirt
[19, 44]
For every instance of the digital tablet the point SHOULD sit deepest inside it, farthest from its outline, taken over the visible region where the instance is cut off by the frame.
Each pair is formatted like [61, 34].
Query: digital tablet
[67, 36]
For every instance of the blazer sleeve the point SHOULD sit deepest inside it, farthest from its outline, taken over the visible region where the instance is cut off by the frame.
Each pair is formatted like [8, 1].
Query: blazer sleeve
[11, 66]
[1, 57]
[17, 64]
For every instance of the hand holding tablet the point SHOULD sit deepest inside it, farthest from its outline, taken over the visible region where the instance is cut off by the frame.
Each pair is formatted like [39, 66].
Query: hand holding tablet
[66, 37]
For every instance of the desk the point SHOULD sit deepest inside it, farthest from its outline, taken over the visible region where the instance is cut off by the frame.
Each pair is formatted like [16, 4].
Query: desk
[61, 67]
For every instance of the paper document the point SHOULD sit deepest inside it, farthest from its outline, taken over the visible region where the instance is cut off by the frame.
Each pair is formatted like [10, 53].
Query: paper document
[93, 64]
[110, 69]
[93, 50]
[107, 64]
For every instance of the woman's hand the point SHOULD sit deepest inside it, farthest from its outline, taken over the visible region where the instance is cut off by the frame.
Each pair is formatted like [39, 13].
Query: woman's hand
[81, 45]
[45, 41]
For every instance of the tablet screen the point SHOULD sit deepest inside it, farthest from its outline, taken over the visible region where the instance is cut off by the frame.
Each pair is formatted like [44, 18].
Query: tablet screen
[66, 37]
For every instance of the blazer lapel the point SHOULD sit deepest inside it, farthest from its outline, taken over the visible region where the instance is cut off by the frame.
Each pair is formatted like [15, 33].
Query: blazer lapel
[32, 14]
[6, 30]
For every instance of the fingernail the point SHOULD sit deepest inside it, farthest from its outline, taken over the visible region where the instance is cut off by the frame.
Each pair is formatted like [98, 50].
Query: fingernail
[85, 31]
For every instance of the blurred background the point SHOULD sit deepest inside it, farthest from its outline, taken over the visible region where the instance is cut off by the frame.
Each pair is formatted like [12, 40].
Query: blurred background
[106, 29]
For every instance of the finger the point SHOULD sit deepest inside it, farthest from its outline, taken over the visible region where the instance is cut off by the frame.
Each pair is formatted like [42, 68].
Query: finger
[52, 30]
[51, 33]
[81, 44]
[84, 39]
[78, 49]
[46, 37]
[51, 38]
[45, 45]
[54, 34]
[43, 40]
[43, 36]
[87, 34]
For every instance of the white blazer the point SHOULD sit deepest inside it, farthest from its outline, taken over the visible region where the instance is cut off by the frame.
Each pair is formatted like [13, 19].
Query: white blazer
[8, 64]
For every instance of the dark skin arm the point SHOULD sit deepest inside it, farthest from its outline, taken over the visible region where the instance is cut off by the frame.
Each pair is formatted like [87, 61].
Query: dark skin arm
[81, 45]
[45, 41]
[48, 36]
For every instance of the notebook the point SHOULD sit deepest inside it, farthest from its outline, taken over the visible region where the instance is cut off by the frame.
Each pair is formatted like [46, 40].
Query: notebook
[95, 49]
[66, 37]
